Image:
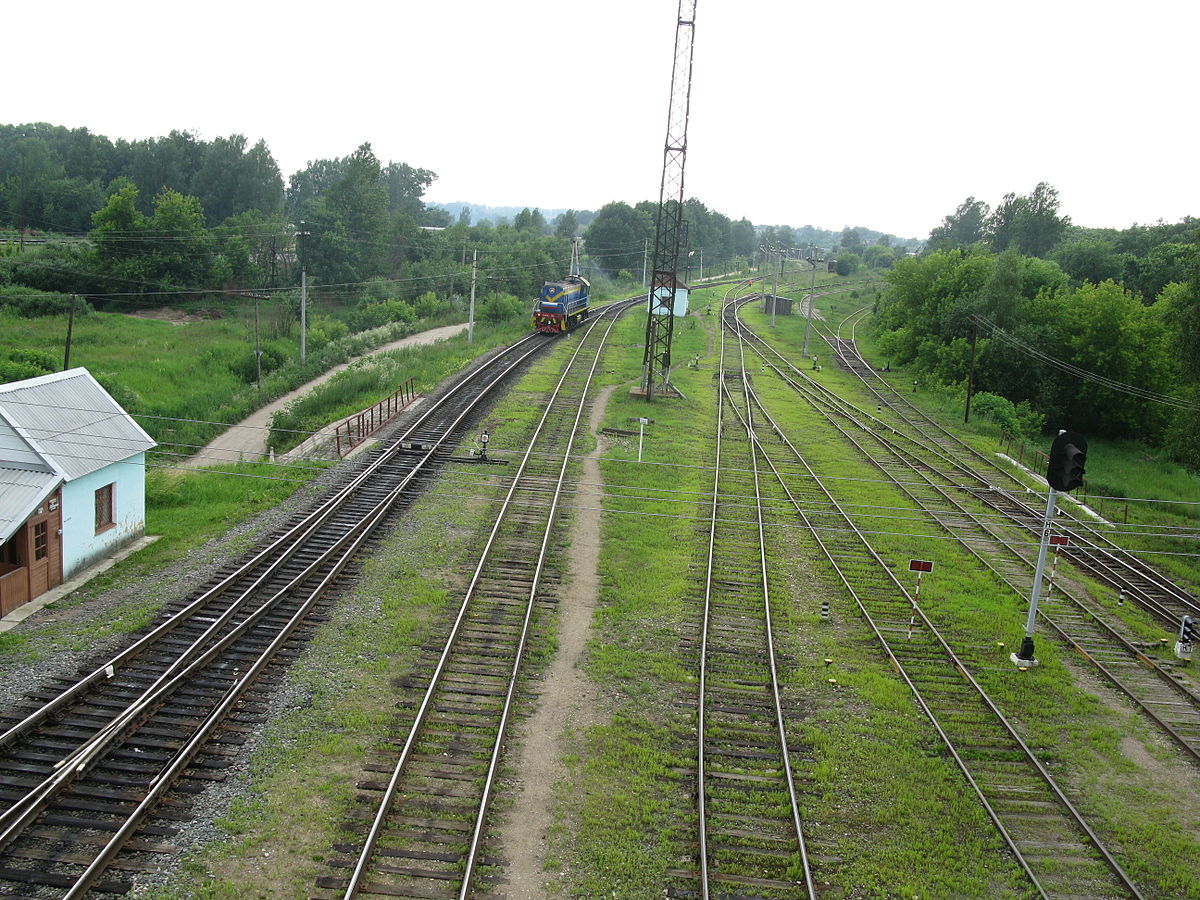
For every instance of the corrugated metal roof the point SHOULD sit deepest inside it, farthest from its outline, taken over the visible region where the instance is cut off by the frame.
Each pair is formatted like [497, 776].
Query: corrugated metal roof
[20, 492]
[72, 422]
[16, 452]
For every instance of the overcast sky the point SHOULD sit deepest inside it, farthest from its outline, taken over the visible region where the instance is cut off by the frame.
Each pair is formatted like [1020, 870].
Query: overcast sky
[878, 114]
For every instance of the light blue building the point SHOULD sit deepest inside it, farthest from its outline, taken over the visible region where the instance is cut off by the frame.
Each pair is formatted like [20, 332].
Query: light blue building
[72, 481]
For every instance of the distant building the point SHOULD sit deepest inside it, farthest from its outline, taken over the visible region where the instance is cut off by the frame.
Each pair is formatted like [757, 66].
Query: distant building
[72, 481]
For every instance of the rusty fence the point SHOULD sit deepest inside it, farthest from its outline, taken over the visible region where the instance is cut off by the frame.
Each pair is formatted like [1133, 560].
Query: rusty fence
[360, 426]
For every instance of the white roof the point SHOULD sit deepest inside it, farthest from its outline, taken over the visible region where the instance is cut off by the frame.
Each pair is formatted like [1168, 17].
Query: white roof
[21, 490]
[65, 423]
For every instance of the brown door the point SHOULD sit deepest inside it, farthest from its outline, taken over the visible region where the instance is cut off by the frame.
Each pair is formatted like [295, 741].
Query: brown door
[44, 547]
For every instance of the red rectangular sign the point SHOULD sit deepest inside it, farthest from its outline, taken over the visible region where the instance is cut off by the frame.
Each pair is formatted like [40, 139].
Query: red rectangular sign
[1058, 540]
[920, 565]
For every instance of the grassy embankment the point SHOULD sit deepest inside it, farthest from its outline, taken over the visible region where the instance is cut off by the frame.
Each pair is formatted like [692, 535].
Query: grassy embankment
[279, 835]
[627, 819]
[369, 380]
[1120, 772]
[183, 381]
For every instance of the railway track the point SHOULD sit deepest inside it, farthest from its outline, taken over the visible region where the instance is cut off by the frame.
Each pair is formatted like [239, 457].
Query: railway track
[1159, 689]
[420, 825]
[750, 837]
[96, 773]
[1054, 844]
[1090, 549]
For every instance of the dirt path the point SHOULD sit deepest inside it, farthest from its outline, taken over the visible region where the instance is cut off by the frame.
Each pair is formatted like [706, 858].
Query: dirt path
[248, 439]
[566, 700]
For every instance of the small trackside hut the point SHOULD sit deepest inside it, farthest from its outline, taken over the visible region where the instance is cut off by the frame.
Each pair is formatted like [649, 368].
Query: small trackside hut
[72, 481]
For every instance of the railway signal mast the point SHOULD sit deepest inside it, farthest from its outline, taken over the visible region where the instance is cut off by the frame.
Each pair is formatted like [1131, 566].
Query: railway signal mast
[668, 230]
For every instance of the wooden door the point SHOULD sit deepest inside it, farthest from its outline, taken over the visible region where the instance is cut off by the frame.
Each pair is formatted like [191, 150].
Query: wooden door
[43, 549]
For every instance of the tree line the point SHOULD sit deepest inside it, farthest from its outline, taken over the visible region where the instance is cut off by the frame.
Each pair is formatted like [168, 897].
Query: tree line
[1092, 329]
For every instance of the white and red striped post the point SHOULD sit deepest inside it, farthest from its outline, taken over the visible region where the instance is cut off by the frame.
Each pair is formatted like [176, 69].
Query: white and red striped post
[920, 566]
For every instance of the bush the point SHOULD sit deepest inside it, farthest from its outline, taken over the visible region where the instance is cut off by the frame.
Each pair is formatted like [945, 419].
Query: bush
[1019, 419]
[428, 305]
[13, 370]
[322, 330]
[274, 355]
[30, 303]
[39, 358]
[379, 313]
[500, 308]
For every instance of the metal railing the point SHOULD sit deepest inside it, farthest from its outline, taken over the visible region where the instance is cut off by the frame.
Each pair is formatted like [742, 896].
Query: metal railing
[356, 429]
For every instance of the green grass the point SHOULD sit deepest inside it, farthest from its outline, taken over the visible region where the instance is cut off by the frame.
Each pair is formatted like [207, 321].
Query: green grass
[185, 510]
[1083, 739]
[370, 380]
[869, 761]
[182, 381]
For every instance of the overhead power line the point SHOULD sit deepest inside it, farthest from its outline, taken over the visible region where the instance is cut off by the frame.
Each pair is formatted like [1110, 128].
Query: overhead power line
[1070, 369]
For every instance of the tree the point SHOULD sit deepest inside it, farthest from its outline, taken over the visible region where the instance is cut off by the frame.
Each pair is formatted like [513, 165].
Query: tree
[1029, 224]
[962, 228]
[117, 234]
[878, 256]
[1089, 259]
[1111, 333]
[178, 249]
[1181, 312]
[852, 241]
[615, 239]
[566, 224]
[405, 186]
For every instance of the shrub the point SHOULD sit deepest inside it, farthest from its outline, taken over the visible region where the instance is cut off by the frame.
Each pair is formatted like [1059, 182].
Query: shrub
[322, 330]
[500, 308]
[377, 314]
[1018, 419]
[428, 305]
[30, 303]
[274, 355]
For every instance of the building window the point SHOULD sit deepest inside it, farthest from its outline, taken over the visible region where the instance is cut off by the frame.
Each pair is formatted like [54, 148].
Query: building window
[39, 540]
[104, 508]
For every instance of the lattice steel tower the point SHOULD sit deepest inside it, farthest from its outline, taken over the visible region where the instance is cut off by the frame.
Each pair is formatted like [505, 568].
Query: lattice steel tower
[669, 226]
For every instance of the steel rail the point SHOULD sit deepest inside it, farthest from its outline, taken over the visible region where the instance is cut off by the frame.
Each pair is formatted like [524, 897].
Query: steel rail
[477, 833]
[361, 866]
[957, 663]
[999, 541]
[25, 810]
[780, 727]
[1087, 536]
[277, 553]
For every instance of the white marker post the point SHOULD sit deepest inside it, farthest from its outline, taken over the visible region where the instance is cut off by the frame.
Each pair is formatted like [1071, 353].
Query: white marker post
[642, 423]
[920, 566]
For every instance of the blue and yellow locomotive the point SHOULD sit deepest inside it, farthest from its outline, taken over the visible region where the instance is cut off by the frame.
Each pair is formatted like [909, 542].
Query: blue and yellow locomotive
[562, 304]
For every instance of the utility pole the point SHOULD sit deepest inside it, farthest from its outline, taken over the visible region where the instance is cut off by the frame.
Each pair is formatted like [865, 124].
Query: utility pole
[257, 349]
[775, 286]
[812, 288]
[70, 328]
[471, 313]
[303, 314]
[303, 297]
[645, 256]
[970, 374]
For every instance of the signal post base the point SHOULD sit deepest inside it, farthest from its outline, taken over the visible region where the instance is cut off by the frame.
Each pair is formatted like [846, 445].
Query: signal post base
[1022, 663]
[1183, 650]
